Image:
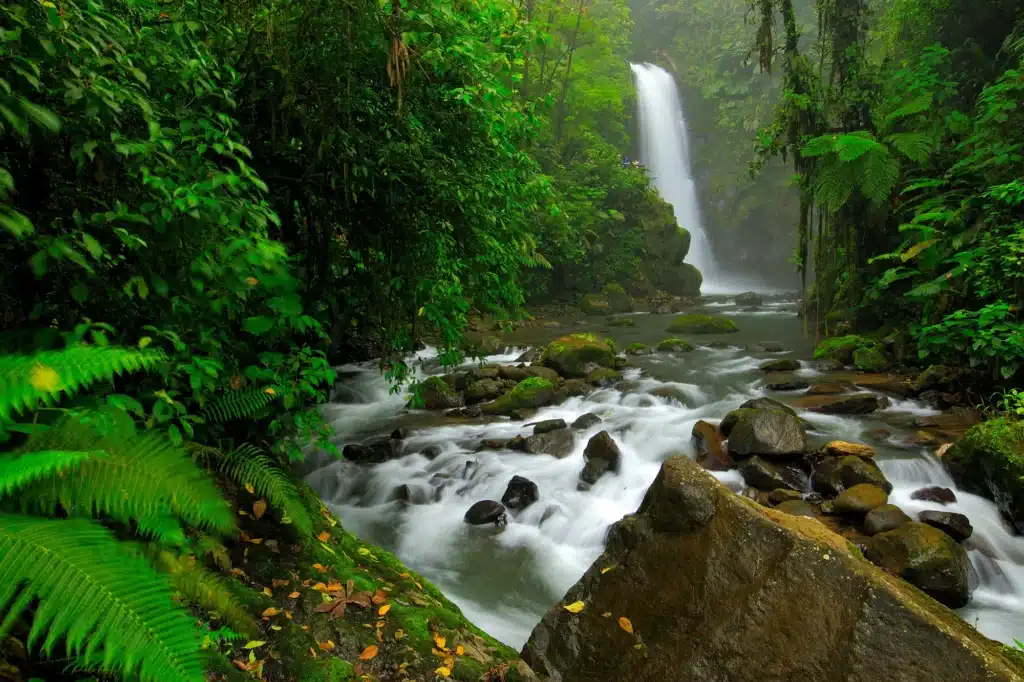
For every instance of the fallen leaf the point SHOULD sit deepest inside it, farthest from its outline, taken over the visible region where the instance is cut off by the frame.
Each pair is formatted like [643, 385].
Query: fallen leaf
[459, 651]
[259, 508]
[368, 653]
[320, 587]
[440, 642]
[272, 611]
[278, 582]
[324, 537]
[254, 644]
[404, 575]
[443, 672]
[238, 571]
[326, 606]
[625, 624]
[288, 615]
[384, 609]
[574, 607]
[379, 597]
[248, 486]
[326, 646]
[312, 651]
[255, 541]
[266, 591]
[275, 628]
[606, 569]
[399, 634]
[606, 614]
[293, 595]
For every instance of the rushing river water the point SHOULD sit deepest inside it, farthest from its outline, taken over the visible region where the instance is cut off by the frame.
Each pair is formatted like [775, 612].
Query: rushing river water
[506, 580]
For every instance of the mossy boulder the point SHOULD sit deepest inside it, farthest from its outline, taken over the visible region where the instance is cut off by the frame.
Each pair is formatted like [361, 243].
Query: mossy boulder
[675, 346]
[621, 321]
[531, 392]
[690, 281]
[484, 389]
[989, 461]
[595, 304]
[925, 557]
[781, 365]
[480, 343]
[860, 499]
[638, 349]
[434, 393]
[842, 348]
[577, 354]
[617, 298]
[697, 323]
[764, 427]
[716, 587]
[869, 360]
[603, 376]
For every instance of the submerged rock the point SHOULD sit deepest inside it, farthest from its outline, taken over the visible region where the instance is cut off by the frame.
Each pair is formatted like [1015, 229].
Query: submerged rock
[708, 443]
[431, 451]
[716, 588]
[787, 386]
[934, 493]
[585, 421]
[696, 323]
[956, 526]
[486, 511]
[925, 557]
[520, 493]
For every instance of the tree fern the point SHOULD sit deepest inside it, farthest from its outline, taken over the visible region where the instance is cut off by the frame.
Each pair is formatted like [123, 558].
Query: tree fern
[879, 175]
[248, 465]
[247, 402]
[20, 470]
[915, 146]
[143, 477]
[113, 610]
[27, 381]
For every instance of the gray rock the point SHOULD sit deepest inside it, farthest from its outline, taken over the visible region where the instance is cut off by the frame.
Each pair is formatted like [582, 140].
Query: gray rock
[520, 493]
[483, 390]
[486, 511]
[558, 443]
[431, 451]
[768, 476]
[769, 432]
[925, 557]
[885, 518]
[549, 425]
[585, 421]
[956, 526]
[603, 446]
[593, 470]
[934, 493]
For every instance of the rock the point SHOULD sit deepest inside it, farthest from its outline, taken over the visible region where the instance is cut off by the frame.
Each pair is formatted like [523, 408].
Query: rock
[618, 299]
[688, 282]
[825, 477]
[780, 495]
[434, 393]
[796, 508]
[926, 558]
[764, 475]
[956, 526]
[707, 441]
[549, 425]
[603, 446]
[621, 322]
[842, 349]
[477, 343]
[769, 347]
[989, 461]
[486, 511]
[577, 354]
[638, 349]
[372, 452]
[399, 434]
[830, 388]
[813, 498]
[936, 377]
[718, 589]
[732, 419]
[748, 298]
[585, 421]
[531, 355]
[603, 376]
[859, 403]
[571, 388]
[859, 499]
[841, 448]
[854, 471]
[827, 365]
[887, 383]
[696, 323]
[485, 389]
[520, 493]
[431, 452]
[492, 444]
[675, 346]
[934, 493]
[670, 392]
[532, 392]
[788, 386]
[767, 404]
[869, 360]
[593, 470]
[781, 365]
[595, 304]
[516, 374]
[884, 518]
[557, 443]
[470, 412]
[766, 431]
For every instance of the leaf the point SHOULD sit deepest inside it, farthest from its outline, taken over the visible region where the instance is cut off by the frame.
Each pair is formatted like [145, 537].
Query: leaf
[324, 536]
[384, 609]
[440, 641]
[574, 607]
[249, 488]
[606, 614]
[326, 606]
[258, 325]
[266, 591]
[606, 569]
[272, 611]
[254, 644]
[625, 624]
[443, 671]
[293, 595]
[368, 653]
[259, 508]
[326, 646]
[916, 249]
[379, 597]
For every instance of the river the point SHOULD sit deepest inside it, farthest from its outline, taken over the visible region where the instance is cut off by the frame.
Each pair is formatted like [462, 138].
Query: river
[505, 580]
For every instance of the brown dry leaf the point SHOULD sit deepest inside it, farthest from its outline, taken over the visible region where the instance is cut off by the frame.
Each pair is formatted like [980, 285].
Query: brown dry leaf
[625, 624]
[326, 606]
[320, 587]
[279, 582]
[272, 611]
[459, 651]
[313, 651]
[360, 599]
[248, 487]
[259, 508]
[384, 609]
[326, 646]
[334, 586]
[339, 610]
[368, 653]
[440, 642]
[245, 536]
[320, 567]
[238, 572]
[293, 595]
[288, 615]
[379, 597]
[266, 591]
[574, 607]
[307, 582]
[324, 537]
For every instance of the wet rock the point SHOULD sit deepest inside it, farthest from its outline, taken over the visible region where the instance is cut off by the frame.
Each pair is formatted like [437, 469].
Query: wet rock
[399, 434]
[549, 425]
[827, 365]
[542, 372]
[431, 452]
[780, 495]
[784, 598]
[486, 511]
[830, 388]
[696, 323]
[516, 374]
[670, 392]
[934, 493]
[603, 446]
[485, 389]
[787, 386]
[953, 423]
[531, 355]
[925, 557]
[470, 412]
[884, 518]
[556, 443]
[887, 383]
[708, 443]
[855, 470]
[492, 444]
[796, 508]
[825, 477]
[572, 388]
[869, 360]
[989, 461]
[372, 452]
[769, 347]
[859, 403]
[620, 322]
[938, 377]
[675, 346]
[575, 355]
[638, 349]
[764, 475]
[434, 393]
[841, 448]
[748, 298]
[520, 493]
[859, 499]
[813, 498]
[781, 365]
[603, 376]
[767, 404]
[532, 392]
[769, 432]
[585, 421]
[956, 526]
[593, 470]
[751, 493]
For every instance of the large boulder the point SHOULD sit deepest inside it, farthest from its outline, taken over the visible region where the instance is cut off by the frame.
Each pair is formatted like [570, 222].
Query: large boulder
[766, 429]
[925, 557]
[434, 393]
[885, 518]
[372, 452]
[697, 323]
[617, 298]
[710, 586]
[781, 365]
[577, 354]
[989, 461]
[688, 281]
[555, 443]
[595, 304]
[520, 493]
[532, 392]
[768, 476]
[484, 389]
[843, 348]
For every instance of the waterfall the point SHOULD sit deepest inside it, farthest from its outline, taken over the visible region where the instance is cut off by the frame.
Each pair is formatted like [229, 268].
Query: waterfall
[666, 154]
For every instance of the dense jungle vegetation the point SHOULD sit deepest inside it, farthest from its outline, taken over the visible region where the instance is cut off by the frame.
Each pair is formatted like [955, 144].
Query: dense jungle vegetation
[205, 205]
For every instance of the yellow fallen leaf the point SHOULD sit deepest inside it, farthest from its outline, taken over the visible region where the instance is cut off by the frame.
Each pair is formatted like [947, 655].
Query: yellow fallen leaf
[312, 651]
[266, 591]
[326, 646]
[44, 379]
[288, 615]
[625, 624]
[574, 607]
[606, 569]
[254, 644]
[320, 587]
[275, 628]
[320, 567]
[270, 391]
[293, 595]
[368, 653]
[443, 671]
[248, 486]
[384, 609]
[606, 614]
[459, 651]
[440, 642]
[404, 575]
[251, 281]
[272, 611]
[259, 508]
[324, 537]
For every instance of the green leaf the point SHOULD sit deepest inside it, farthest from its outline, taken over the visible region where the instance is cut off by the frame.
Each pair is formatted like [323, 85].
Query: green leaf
[259, 325]
[916, 249]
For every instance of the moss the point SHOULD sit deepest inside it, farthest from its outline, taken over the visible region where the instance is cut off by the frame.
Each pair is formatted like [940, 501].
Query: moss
[437, 385]
[328, 670]
[602, 376]
[842, 348]
[595, 304]
[690, 280]
[621, 322]
[696, 323]
[530, 392]
[675, 346]
[575, 354]
[637, 349]
[869, 360]
[989, 460]
[781, 365]
[613, 289]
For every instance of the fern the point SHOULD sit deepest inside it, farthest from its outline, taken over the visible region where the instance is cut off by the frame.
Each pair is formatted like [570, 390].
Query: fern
[248, 465]
[142, 477]
[915, 146]
[834, 184]
[112, 609]
[27, 381]
[881, 171]
[204, 589]
[20, 470]
[240, 404]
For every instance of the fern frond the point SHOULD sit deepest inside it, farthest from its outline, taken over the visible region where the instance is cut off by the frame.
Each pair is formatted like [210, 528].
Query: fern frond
[881, 171]
[20, 470]
[915, 146]
[110, 606]
[241, 404]
[248, 465]
[834, 184]
[143, 477]
[214, 549]
[852, 147]
[26, 381]
[915, 105]
[819, 146]
[204, 589]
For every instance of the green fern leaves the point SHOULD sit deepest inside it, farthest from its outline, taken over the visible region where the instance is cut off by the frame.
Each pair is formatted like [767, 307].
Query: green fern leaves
[248, 465]
[241, 404]
[27, 382]
[110, 607]
[857, 161]
[17, 471]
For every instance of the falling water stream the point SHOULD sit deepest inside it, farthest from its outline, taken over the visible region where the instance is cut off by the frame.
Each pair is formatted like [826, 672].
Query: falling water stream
[505, 580]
